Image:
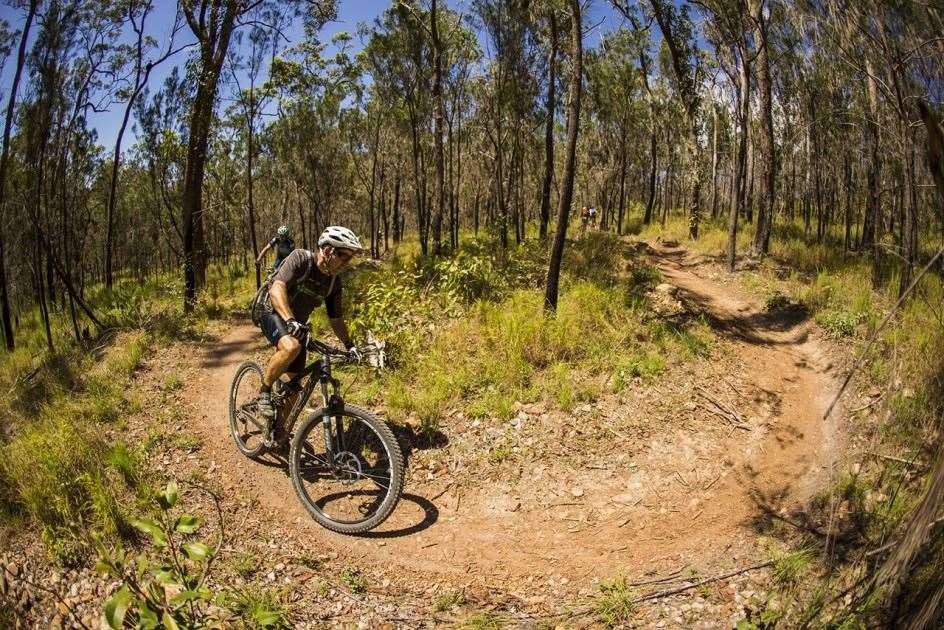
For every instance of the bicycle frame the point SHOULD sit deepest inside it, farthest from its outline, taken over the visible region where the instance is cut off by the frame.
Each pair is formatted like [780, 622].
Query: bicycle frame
[331, 401]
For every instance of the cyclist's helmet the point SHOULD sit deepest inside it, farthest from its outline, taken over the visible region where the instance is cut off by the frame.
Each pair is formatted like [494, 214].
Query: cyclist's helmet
[338, 236]
[282, 231]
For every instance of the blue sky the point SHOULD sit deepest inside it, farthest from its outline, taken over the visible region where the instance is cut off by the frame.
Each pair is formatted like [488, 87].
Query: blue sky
[350, 14]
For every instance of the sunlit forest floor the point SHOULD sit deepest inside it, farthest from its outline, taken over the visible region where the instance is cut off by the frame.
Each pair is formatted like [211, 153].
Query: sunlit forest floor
[664, 429]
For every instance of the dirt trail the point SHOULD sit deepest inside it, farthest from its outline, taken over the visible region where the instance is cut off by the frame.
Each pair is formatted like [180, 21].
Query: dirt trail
[677, 495]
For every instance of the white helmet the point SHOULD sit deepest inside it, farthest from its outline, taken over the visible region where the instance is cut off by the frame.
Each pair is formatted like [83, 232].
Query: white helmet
[283, 230]
[338, 236]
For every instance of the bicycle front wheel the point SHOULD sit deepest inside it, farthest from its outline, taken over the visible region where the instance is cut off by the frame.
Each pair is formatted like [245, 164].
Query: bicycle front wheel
[246, 424]
[347, 469]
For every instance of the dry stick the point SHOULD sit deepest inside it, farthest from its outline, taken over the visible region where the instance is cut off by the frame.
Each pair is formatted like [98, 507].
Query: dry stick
[733, 414]
[671, 577]
[866, 406]
[907, 462]
[881, 326]
[673, 591]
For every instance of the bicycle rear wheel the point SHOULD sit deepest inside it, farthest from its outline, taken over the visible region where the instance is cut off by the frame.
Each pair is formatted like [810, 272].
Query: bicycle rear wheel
[352, 484]
[246, 424]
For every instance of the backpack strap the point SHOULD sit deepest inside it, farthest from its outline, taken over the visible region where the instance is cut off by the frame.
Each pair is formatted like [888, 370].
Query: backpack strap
[311, 263]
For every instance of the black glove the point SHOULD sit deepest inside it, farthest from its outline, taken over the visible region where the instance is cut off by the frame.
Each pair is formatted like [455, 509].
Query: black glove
[296, 328]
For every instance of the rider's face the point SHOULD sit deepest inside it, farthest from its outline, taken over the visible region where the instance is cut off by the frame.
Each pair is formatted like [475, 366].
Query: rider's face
[333, 260]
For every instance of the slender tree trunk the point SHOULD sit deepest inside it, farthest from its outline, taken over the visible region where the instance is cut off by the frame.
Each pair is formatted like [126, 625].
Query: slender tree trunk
[573, 127]
[4, 160]
[872, 225]
[397, 235]
[213, 51]
[550, 108]
[714, 161]
[653, 163]
[622, 187]
[768, 177]
[744, 112]
[438, 116]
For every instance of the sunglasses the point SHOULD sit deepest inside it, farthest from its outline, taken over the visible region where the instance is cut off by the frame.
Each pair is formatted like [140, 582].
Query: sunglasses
[343, 255]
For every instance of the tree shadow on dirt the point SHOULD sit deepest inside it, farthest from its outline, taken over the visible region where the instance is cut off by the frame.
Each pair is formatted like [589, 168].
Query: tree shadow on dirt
[751, 326]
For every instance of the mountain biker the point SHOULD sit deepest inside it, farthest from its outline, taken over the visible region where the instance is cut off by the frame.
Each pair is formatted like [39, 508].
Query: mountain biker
[283, 245]
[300, 285]
[592, 213]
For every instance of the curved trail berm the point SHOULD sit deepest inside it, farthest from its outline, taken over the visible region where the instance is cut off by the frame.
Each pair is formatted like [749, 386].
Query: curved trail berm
[687, 496]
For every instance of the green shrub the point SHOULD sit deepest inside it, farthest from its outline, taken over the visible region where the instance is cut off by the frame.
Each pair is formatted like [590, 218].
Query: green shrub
[167, 586]
[258, 608]
[840, 323]
[54, 474]
[467, 277]
[354, 580]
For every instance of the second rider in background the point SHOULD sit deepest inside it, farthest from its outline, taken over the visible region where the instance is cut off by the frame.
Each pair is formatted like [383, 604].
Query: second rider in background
[283, 245]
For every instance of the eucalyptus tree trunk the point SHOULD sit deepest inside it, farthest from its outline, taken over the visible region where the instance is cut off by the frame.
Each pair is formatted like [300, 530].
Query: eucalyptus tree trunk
[213, 43]
[4, 161]
[438, 116]
[550, 108]
[567, 190]
[744, 112]
[768, 176]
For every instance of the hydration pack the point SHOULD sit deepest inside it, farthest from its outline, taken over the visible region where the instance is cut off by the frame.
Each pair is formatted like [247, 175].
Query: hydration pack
[261, 304]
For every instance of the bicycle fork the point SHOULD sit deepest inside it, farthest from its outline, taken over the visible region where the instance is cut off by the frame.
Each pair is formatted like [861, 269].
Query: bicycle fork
[333, 406]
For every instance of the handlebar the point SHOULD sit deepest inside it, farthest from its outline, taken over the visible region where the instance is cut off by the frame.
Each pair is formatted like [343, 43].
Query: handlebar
[372, 354]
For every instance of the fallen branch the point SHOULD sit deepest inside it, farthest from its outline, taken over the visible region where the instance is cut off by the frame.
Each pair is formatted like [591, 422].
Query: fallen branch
[730, 414]
[673, 591]
[866, 405]
[914, 463]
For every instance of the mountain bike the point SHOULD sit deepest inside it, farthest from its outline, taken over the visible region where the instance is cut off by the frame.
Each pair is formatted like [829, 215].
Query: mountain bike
[345, 463]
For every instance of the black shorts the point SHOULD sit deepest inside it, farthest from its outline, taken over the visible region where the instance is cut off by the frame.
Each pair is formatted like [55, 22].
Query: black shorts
[274, 328]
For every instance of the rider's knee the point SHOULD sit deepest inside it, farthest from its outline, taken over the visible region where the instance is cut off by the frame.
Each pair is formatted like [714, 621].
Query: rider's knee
[290, 344]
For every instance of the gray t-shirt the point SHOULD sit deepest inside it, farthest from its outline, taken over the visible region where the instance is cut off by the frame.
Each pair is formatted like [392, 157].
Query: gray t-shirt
[306, 294]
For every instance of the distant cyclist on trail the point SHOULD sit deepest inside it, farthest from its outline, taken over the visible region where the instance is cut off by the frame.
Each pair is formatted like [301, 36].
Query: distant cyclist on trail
[300, 285]
[282, 244]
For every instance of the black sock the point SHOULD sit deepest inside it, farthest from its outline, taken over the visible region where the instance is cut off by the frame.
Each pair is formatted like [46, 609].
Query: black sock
[265, 389]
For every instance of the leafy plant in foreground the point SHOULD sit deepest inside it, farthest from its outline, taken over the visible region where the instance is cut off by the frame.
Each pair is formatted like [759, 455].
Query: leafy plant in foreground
[165, 588]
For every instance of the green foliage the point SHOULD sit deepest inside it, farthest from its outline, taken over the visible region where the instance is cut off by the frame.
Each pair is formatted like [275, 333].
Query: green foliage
[54, 473]
[840, 323]
[258, 608]
[614, 605]
[594, 258]
[776, 300]
[466, 277]
[790, 568]
[354, 580]
[448, 601]
[483, 621]
[166, 586]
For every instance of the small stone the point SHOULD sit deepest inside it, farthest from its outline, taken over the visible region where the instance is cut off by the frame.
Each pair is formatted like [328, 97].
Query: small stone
[13, 569]
[577, 492]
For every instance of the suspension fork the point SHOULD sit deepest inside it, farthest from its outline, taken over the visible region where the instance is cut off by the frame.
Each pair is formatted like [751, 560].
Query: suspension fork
[333, 406]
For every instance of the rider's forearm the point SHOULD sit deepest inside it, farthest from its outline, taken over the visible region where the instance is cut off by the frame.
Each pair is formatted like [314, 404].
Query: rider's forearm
[262, 253]
[278, 294]
[340, 330]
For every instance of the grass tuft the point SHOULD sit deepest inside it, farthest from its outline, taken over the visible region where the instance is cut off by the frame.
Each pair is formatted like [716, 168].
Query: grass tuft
[614, 605]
